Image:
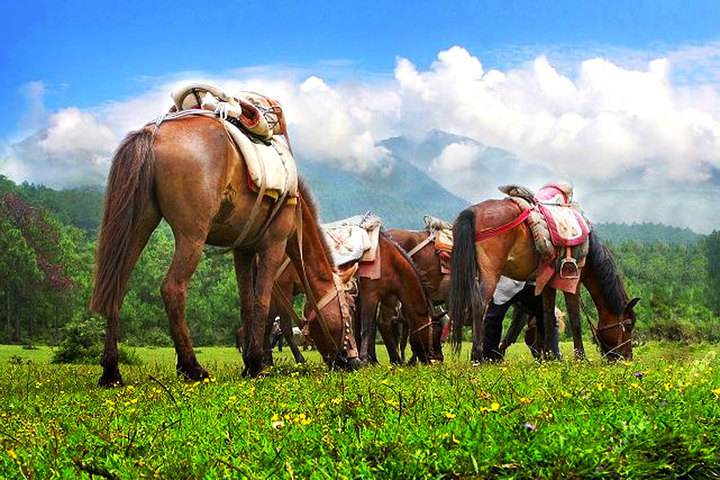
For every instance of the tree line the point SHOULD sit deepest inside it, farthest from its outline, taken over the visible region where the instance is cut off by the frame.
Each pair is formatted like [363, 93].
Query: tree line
[47, 242]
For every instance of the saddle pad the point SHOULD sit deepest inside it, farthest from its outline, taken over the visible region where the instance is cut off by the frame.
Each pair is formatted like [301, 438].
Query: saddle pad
[444, 240]
[271, 164]
[353, 239]
[567, 226]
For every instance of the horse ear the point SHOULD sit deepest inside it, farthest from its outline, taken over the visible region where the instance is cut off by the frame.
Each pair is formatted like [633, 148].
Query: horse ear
[631, 304]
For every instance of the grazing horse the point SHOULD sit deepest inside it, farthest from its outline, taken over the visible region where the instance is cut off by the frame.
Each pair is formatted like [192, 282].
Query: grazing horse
[190, 173]
[506, 247]
[421, 250]
[400, 282]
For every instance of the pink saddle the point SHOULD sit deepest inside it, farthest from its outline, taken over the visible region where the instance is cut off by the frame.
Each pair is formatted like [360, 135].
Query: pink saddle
[567, 226]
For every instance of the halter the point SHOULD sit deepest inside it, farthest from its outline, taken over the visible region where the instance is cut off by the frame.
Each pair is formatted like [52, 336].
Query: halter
[625, 325]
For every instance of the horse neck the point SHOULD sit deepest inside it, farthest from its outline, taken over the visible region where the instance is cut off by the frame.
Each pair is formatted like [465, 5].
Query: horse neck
[606, 314]
[408, 287]
[315, 261]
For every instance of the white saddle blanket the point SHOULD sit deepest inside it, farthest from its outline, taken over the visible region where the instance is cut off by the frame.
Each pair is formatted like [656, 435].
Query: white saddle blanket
[353, 239]
[273, 164]
[269, 161]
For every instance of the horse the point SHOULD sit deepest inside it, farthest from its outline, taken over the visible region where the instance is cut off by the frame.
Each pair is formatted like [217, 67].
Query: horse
[506, 247]
[190, 173]
[399, 282]
[420, 249]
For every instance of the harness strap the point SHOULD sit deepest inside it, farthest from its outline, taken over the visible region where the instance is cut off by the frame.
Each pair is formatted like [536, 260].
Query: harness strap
[287, 305]
[486, 233]
[304, 278]
[282, 269]
[422, 244]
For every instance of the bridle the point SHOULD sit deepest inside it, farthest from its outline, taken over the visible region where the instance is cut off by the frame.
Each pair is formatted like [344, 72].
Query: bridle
[337, 292]
[625, 324]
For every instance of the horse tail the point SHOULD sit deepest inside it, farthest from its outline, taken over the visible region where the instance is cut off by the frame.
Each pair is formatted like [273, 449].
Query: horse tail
[129, 189]
[464, 295]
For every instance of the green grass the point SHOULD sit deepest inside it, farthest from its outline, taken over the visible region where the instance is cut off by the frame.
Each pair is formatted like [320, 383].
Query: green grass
[519, 419]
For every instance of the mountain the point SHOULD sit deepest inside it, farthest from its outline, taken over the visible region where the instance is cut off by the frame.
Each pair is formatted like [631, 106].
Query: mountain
[400, 196]
[465, 166]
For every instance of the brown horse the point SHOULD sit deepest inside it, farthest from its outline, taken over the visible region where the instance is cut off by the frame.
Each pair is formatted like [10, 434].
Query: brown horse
[188, 172]
[478, 264]
[427, 262]
[400, 282]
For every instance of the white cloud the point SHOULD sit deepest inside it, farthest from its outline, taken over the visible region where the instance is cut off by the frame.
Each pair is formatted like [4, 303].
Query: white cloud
[608, 125]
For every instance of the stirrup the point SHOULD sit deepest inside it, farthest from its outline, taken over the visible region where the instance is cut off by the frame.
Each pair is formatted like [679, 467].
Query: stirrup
[569, 268]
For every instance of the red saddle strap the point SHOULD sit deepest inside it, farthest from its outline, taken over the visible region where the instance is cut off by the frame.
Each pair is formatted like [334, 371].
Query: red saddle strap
[493, 231]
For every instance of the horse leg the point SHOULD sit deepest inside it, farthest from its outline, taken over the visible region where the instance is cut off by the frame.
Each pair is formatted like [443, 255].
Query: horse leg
[367, 312]
[517, 322]
[174, 293]
[550, 337]
[287, 330]
[256, 300]
[573, 305]
[111, 371]
[490, 278]
[388, 333]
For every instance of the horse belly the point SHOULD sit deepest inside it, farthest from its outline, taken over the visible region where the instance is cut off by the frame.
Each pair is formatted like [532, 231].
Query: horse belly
[522, 260]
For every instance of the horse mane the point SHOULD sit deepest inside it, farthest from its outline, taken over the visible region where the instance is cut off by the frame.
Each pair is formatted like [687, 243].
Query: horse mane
[602, 262]
[420, 277]
[309, 200]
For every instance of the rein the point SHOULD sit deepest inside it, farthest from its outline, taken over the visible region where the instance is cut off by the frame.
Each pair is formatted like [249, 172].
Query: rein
[595, 330]
[330, 295]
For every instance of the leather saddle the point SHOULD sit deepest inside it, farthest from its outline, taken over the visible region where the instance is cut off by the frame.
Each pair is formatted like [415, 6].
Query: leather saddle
[557, 223]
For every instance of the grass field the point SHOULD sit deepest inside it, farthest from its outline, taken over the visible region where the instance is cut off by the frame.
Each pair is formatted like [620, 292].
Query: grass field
[655, 417]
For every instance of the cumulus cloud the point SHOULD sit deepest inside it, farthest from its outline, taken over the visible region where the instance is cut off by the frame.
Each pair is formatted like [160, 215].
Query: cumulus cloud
[606, 126]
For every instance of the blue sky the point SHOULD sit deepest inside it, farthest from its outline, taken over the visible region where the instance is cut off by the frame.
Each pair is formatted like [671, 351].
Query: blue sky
[615, 96]
[86, 53]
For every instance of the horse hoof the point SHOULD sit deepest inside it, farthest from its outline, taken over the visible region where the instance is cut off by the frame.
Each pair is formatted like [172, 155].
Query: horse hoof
[111, 380]
[193, 374]
[253, 370]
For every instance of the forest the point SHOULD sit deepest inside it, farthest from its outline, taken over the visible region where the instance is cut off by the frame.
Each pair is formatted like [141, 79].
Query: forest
[47, 240]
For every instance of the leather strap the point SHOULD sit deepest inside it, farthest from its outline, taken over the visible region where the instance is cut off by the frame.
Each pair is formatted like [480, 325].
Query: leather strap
[303, 277]
[287, 305]
[282, 269]
[494, 231]
[422, 244]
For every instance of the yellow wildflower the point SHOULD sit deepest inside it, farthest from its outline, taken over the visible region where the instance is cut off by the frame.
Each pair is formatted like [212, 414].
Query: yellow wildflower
[716, 391]
[11, 453]
[449, 415]
[525, 400]
[494, 407]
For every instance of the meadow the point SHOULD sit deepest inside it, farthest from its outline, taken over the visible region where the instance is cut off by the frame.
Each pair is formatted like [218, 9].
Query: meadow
[655, 417]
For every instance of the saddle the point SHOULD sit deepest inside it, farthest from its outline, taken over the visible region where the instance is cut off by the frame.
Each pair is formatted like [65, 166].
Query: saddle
[442, 236]
[256, 125]
[560, 231]
[356, 240]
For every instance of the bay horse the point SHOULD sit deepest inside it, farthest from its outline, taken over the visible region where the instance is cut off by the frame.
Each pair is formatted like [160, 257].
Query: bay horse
[399, 282]
[506, 247]
[189, 172]
[421, 250]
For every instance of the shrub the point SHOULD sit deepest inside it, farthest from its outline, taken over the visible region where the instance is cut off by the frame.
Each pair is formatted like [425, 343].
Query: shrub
[82, 342]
